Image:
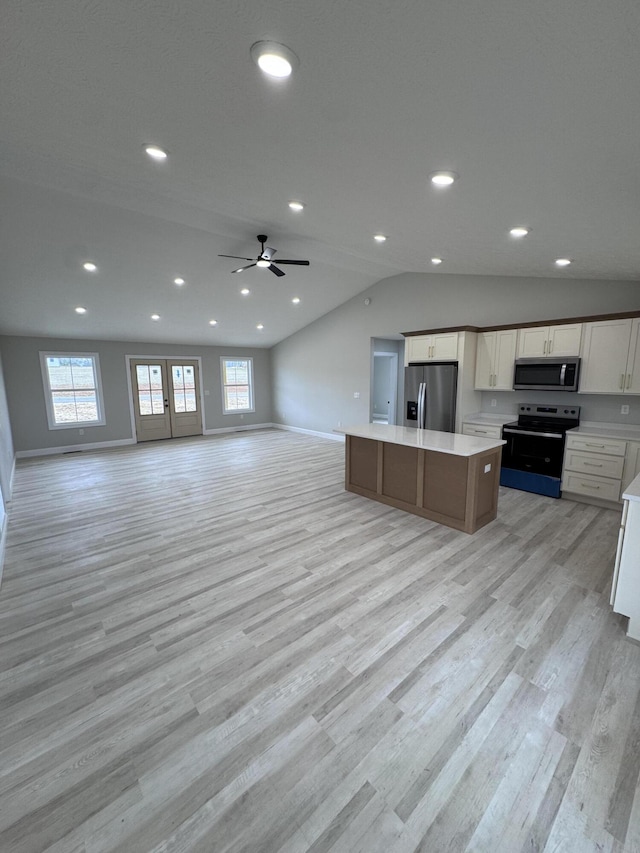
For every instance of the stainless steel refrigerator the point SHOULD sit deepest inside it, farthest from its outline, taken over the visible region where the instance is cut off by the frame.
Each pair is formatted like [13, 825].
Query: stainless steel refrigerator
[430, 395]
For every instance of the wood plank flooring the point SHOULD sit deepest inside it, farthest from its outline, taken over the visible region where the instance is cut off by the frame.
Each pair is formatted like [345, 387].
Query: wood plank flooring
[208, 645]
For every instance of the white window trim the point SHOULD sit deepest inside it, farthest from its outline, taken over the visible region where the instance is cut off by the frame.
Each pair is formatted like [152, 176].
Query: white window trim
[248, 359]
[48, 395]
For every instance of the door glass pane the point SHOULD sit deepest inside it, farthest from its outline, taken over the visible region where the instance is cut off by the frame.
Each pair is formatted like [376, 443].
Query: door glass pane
[184, 393]
[150, 392]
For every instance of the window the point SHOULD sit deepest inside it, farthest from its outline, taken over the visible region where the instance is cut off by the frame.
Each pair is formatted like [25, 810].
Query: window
[72, 389]
[237, 385]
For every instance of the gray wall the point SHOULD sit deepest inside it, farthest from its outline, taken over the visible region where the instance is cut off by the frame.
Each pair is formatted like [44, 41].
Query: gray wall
[26, 397]
[6, 442]
[317, 370]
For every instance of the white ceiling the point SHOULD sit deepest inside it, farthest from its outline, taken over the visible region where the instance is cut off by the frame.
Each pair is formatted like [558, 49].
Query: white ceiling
[535, 105]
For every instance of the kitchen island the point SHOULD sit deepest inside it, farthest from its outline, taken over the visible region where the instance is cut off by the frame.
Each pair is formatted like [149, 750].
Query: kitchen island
[446, 477]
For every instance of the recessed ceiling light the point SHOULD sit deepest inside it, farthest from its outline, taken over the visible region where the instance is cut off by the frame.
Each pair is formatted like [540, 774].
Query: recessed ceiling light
[80, 310]
[213, 322]
[296, 300]
[436, 261]
[379, 238]
[89, 266]
[156, 153]
[563, 262]
[260, 326]
[178, 281]
[155, 316]
[443, 179]
[296, 205]
[245, 291]
[519, 231]
[263, 263]
[274, 59]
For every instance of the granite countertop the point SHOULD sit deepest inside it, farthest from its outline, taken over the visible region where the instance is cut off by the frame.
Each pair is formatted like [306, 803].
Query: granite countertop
[423, 439]
[624, 433]
[488, 419]
[632, 492]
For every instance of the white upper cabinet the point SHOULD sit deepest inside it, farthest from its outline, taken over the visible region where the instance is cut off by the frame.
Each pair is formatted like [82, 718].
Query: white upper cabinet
[611, 357]
[549, 341]
[495, 356]
[440, 347]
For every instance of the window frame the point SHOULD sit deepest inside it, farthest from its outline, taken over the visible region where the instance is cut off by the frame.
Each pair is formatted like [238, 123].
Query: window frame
[48, 393]
[252, 401]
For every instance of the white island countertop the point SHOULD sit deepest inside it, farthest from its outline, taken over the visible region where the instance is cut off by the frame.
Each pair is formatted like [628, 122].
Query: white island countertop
[423, 439]
[632, 492]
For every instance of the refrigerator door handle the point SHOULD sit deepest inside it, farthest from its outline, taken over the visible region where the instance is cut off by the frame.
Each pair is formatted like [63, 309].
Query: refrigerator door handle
[421, 401]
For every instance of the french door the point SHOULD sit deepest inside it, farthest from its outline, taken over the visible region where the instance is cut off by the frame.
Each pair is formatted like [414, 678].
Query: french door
[166, 398]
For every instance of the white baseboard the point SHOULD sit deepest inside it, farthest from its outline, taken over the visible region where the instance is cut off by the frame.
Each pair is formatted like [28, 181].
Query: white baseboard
[236, 428]
[72, 448]
[3, 542]
[332, 435]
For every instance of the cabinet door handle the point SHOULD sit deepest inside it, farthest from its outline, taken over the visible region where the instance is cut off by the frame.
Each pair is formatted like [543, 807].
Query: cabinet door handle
[593, 464]
[628, 380]
[587, 444]
[544, 348]
[590, 486]
[621, 383]
[550, 345]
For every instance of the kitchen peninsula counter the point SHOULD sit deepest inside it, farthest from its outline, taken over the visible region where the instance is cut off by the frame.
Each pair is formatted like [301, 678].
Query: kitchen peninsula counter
[446, 477]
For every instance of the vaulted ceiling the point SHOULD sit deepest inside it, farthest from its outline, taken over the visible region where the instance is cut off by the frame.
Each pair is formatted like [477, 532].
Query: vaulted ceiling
[535, 106]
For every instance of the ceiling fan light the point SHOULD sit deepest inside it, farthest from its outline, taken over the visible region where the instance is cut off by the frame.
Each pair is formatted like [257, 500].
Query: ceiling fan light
[275, 60]
[263, 263]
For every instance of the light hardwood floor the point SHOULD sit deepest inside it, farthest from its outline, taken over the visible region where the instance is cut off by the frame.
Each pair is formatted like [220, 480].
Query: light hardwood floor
[208, 645]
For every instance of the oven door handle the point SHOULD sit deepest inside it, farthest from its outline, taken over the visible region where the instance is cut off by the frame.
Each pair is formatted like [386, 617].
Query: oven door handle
[531, 432]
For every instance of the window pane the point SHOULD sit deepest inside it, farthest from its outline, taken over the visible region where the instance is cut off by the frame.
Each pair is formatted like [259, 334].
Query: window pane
[190, 401]
[178, 401]
[157, 403]
[144, 402]
[142, 377]
[71, 386]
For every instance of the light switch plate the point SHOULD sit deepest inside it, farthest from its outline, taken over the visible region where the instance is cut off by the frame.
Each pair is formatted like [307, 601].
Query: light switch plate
[624, 410]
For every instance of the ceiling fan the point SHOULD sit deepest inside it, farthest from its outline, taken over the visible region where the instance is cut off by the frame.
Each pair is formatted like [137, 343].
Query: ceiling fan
[264, 259]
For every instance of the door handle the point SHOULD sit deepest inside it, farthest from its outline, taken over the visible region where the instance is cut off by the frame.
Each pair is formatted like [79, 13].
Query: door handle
[166, 404]
[628, 380]
[621, 383]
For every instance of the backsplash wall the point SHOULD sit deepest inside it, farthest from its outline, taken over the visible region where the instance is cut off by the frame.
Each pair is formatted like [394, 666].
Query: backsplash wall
[603, 408]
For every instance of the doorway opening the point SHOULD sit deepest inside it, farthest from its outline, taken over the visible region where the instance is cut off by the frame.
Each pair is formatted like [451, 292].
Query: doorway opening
[384, 388]
[165, 396]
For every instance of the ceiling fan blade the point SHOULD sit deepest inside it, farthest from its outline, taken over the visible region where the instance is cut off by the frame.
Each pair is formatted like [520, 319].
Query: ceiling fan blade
[237, 257]
[274, 269]
[244, 268]
[299, 263]
[268, 252]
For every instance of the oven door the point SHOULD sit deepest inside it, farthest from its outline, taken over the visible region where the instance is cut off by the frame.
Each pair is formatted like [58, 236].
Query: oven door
[536, 452]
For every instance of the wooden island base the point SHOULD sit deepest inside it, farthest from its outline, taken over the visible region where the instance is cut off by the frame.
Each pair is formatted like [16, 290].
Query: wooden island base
[458, 491]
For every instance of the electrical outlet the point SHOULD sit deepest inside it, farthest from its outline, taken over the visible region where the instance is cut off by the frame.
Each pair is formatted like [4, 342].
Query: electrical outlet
[493, 401]
[356, 395]
[81, 431]
[339, 423]
[624, 410]
[206, 392]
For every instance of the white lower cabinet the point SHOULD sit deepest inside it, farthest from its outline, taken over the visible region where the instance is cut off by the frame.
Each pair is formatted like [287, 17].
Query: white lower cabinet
[625, 592]
[593, 467]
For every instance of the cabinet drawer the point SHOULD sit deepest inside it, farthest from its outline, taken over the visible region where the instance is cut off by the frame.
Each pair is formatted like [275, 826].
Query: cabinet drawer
[482, 431]
[594, 464]
[595, 444]
[596, 487]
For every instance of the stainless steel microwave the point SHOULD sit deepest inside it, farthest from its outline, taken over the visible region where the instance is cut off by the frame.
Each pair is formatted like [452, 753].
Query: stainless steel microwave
[546, 374]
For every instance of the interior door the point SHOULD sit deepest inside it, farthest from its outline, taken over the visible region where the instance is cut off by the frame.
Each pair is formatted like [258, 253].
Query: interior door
[166, 398]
